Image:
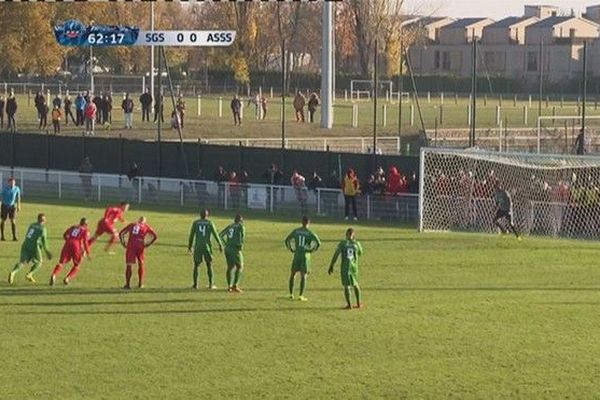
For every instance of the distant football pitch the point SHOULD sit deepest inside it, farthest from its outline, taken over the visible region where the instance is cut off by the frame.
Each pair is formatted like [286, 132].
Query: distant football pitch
[446, 315]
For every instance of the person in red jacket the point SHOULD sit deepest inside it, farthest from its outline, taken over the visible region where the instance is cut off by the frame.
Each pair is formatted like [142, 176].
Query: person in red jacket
[136, 245]
[394, 182]
[75, 247]
[107, 224]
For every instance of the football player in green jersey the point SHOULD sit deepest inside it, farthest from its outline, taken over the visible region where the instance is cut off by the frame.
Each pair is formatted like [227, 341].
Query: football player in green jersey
[36, 240]
[302, 242]
[201, 233]
[233, 236]
[349, 250]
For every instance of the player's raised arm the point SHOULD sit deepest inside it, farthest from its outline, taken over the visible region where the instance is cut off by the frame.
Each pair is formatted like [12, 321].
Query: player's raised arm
[334, 259]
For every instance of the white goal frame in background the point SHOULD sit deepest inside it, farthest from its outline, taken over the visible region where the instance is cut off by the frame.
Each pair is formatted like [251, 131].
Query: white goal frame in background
[559, 118]
[354, 92]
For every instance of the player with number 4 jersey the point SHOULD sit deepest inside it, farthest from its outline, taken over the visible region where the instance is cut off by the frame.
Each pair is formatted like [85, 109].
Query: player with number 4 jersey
[302, 242]
[349, 250]
[136, 245]
[233, 236]
[75, 247]
[201, 234]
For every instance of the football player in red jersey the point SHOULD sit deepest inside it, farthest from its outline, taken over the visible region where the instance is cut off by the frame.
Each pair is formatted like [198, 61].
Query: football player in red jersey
[136, 244]
[75, 247]
[107, 223]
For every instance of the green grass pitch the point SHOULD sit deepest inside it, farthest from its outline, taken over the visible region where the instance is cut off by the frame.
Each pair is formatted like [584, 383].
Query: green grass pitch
[447, 315]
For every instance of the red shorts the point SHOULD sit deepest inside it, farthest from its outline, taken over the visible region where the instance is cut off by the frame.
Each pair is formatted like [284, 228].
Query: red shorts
[69, 253]
[134, 254]
[105, 227]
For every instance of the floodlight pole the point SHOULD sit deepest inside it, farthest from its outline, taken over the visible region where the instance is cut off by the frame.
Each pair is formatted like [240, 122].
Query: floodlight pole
[160, 111]
[473, 93]
[91, 69]
[541, 83]
[584, 88]
[400, 90]
[152, 55]
[375, 65]
[327, 74]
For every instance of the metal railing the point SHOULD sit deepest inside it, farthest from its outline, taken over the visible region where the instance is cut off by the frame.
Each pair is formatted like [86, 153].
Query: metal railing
[195, 194]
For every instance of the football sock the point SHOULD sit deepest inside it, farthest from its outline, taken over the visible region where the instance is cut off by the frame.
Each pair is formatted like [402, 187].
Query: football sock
[17, 267]
[13, 227]
[347, 295]
[2, 228]
[302, 284]
[35, 267]
[358, 294]
[57, 269]
[73, 272]
[195, 274]
[291, 284]
[128, 275]
[237, 277]
[209, 272]
[228, 276]
[141, 273]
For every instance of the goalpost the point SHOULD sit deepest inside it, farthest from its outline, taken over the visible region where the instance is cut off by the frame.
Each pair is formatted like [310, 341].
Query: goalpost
[556, 134]
[360, 87]
[552, 195]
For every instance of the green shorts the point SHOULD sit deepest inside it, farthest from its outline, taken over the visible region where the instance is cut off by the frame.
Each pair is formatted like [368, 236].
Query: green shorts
[301, 264]
[28, 255]
[234, 257]
[202, 255]
[349, 277]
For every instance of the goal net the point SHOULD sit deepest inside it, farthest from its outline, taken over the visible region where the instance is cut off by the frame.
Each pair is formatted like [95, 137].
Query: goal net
[552, 195]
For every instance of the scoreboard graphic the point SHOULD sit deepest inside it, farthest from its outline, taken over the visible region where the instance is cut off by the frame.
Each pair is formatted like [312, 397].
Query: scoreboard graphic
[75, 33]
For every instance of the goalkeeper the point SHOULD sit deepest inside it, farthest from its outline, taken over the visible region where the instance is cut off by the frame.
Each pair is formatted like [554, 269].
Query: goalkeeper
[504, 210]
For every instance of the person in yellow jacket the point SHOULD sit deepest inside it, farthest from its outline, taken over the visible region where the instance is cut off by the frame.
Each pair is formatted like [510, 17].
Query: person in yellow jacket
[351, 189]
[56, 117]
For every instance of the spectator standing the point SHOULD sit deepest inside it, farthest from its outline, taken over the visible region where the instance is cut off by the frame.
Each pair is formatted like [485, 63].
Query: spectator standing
[220, 179]
[370, 186]
[68, 113]
[2, 107]
[256, 101]
[38, 101]
[80, 108]
[85, 173]
[90, 117]
[299, 184]
[315, 182]
[159, 109]
[351, 189]
[11, 111]
[264, 105]
[175, 120]
[244, 181]
[313, 103]
[127, 107]
[134, 175]
[273, 175]
[234, 189]
[396, 183]
[299, 103]
[379, 181]
[180, 107]
[57, 102]
[146, 102]
[413, 183]
[43, 113]
[97, 100]
[236, 106]
[580, 143]
[106, 109]
[56, 117]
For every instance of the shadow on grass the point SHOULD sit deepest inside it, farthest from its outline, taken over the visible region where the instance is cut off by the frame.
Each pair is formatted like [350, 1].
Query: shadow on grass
[163, 312]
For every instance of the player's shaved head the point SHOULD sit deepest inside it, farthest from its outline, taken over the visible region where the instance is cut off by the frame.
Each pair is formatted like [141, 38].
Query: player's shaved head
[204, 214]
[238, 218]
[350, 233]
[41, 218]
[305, 221]
[83, 221]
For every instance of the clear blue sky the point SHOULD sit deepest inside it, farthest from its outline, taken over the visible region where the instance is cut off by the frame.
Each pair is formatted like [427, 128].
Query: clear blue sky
[489, 8]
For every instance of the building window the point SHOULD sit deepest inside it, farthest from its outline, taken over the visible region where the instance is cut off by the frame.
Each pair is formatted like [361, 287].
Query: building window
[532, 61]
[446, 61]
[436, 59]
